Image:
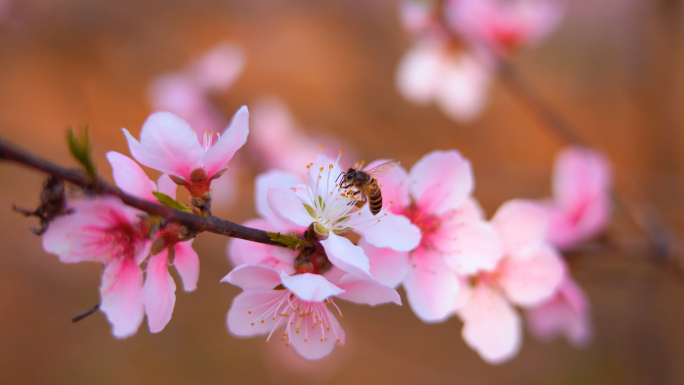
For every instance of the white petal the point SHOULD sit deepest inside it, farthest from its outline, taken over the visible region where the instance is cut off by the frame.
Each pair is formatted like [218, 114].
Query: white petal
[345, 255]
[310, 287]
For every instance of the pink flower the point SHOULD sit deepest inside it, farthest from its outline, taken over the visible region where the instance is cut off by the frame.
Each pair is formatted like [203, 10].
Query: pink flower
[505, 25]
[457, 80]
[273, 300]
[159, 291]
[529, 274]
[107, 231]
[566, 313]
[168, 144]
[323, 203]
[580, 208]
[455, 240]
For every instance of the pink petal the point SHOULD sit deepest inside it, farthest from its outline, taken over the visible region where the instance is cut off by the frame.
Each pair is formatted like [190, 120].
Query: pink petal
[345, 255]
[167, 144]
[521, 225]
[245, 252]
[418, 73]
[159, 293]
[130, 177]
[166, 185]
[218, 68]
[366, 292]
[532, 279]
[253, 277]
[310, 287]
[121, 293]
[232, 139]
[247, 312]
[393, 231]
[278, 180]
[490, 325]
[441, 181]
[394, 187]
[187, 264]
[70, 236]
[580, 174]
[431, 287]
[463, 87]
[288, 208]
[469, 246]
[387, 266]
[566, 313]
[309, 345]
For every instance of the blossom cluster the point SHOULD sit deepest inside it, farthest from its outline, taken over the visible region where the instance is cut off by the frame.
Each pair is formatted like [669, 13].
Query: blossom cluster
[432, 238]
[458, 45]
[127, 241]
[425, 232]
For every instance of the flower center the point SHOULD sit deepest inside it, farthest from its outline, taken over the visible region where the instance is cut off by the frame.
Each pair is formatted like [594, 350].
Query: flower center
[311, 321]
[427, 223]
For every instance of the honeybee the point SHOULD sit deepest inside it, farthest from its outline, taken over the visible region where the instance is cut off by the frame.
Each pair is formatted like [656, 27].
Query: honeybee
[366, 184]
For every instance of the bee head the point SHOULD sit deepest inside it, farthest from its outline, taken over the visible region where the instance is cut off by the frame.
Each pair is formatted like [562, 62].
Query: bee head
[349, 175]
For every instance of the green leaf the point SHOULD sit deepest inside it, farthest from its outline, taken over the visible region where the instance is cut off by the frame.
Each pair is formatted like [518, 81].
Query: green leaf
[82, 151]
[170, 202]
[287, 240]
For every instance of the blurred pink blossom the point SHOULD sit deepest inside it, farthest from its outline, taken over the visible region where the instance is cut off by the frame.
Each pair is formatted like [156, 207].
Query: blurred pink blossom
[580, 207]
[301, 306]
[280, 143]
[530, 273]
[505, 25]
[566, 313]
[456, 80]
[187, 93]
[107, 231]
[455, 240]
[457, 45]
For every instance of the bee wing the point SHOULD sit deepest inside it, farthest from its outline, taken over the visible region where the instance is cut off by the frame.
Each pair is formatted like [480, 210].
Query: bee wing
[382, 169]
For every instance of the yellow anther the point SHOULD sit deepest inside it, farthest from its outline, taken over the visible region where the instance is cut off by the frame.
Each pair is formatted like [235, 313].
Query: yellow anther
[330, 167]
[341, 151]
[249, 312]
[320, 147]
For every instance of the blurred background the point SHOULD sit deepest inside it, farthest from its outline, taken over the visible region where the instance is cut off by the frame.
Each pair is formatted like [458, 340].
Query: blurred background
[614, 69]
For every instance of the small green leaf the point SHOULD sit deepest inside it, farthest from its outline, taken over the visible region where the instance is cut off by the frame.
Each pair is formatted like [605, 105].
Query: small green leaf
[170, 202]
[82, 151]
[287, 240]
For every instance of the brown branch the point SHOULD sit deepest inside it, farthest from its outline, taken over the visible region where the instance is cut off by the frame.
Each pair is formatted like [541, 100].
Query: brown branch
[212, 224]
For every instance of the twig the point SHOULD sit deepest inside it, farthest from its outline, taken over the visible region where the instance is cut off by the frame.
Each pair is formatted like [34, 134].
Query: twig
[212, 224]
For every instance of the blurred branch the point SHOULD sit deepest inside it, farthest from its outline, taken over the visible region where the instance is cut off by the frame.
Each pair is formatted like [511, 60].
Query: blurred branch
[212, 224]
[537, 105]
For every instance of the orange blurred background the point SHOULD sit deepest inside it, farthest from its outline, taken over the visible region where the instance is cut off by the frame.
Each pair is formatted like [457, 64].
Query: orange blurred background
[615, 70]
